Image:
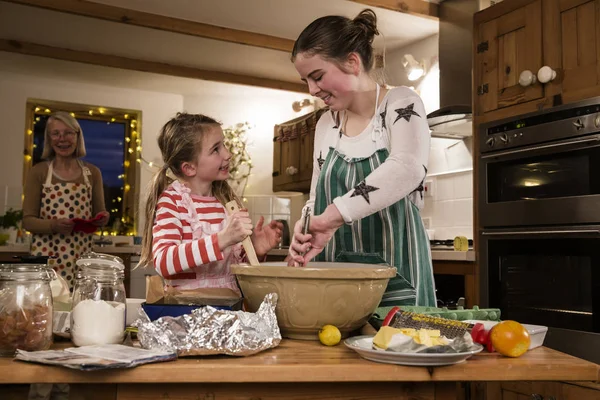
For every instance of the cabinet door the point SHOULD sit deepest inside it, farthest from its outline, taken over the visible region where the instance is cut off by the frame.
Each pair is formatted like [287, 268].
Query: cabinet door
[572, 47]
[286, 158]
[578, 392]
[507, 46]
[307, 145]
[522, 390]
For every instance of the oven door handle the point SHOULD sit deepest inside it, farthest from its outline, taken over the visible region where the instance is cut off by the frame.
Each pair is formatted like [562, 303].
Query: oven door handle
[549, 232]
[593, 139]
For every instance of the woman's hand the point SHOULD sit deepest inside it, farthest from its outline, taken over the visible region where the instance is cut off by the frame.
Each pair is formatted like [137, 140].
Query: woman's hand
[239, 226]
[63, 225]
[267, 237]
[299, 245]
[322, 228]
[105, 216]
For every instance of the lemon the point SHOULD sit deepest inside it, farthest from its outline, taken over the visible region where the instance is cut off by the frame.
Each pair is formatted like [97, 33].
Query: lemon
[330, 335]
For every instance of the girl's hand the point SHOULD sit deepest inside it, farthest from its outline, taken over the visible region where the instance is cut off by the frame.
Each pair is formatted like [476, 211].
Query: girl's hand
[267, 237]
[63, 225]
[102, 221]
[239, 226]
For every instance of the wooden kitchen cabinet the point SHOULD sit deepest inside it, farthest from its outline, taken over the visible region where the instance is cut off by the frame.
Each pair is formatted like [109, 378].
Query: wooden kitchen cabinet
[526, 35]
[293, 145]
[537, 391]
[572, 47]
[508, 45]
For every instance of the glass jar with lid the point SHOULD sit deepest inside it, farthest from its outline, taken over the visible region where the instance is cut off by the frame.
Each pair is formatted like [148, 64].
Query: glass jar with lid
[25, 307]
[99, 300]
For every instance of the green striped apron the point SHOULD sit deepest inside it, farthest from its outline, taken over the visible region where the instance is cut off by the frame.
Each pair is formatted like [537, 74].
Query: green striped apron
[394, 236]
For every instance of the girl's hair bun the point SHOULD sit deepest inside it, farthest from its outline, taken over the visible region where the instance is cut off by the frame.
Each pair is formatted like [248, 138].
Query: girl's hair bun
[367, 21]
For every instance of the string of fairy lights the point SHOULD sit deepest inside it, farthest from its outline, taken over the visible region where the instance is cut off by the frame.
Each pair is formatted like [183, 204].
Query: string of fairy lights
[132, 146]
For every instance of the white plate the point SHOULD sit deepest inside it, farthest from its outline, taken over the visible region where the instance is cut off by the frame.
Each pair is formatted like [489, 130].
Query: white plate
[537, 333]
[363, 345]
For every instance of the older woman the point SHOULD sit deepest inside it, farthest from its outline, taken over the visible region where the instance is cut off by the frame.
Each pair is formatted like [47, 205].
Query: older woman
[58, 190]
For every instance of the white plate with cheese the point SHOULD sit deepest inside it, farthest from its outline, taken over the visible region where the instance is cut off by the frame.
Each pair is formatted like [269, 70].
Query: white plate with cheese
[363, 345]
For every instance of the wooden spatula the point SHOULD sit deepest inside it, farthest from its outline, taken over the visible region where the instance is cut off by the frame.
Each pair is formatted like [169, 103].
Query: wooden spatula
[232, 207]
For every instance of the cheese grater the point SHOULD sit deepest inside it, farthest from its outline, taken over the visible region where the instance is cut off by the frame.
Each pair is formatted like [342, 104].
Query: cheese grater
[449, 328]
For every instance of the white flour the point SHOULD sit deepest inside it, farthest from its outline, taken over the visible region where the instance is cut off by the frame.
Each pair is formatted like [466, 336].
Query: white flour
[97, 322]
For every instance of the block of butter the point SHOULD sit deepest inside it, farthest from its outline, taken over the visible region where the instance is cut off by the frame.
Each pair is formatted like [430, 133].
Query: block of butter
[384, 336]
[461, 243]
[426, 337]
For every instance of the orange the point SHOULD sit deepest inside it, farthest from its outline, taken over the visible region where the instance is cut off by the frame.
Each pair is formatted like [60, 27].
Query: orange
[510, 338]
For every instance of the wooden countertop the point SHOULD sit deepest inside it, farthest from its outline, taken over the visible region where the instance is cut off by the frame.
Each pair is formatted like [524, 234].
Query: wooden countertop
[436, 254]
[307, 361]
[112, 249]
[452, 255]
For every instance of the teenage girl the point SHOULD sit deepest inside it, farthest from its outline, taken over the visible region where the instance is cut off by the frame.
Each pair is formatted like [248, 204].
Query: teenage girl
[370, 161]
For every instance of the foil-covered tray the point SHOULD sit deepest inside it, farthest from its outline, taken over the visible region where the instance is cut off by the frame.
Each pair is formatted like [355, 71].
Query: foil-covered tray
[209, 331]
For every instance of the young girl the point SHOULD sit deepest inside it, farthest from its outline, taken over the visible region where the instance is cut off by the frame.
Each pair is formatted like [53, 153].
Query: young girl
[188, 235]
[370, 161]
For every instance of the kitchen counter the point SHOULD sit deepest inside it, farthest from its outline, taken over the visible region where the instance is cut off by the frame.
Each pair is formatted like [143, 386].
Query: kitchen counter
[436, 254]
[111, 249]
[326, 372]
[452, 255]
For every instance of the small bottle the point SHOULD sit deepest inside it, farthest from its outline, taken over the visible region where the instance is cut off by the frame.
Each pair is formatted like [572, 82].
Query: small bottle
[99, 301]
[25, 307]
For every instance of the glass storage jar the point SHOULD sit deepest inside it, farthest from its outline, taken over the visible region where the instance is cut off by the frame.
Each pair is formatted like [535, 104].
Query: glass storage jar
[98, 315]
[25, 307]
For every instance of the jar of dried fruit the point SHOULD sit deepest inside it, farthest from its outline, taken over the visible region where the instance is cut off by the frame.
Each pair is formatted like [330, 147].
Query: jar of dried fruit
[25, 307]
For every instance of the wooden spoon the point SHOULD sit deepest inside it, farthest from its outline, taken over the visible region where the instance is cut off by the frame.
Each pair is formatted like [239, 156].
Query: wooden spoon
[232, 207]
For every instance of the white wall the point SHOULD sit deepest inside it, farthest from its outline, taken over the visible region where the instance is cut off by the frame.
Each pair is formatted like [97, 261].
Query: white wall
[429, 86]
[231, 104]
[15, 89]
[449, 208]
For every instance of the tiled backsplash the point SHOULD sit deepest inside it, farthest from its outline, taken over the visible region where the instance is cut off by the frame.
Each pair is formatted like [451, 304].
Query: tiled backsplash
[450, 208]
[283, 205]
[270, 207]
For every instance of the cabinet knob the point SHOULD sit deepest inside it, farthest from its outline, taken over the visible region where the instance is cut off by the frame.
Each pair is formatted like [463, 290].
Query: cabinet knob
[536, 396]
[291, 170]
[546, 74]
[527, 78]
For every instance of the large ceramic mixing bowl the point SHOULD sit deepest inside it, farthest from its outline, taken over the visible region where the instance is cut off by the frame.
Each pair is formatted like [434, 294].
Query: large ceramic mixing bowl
[340, 294]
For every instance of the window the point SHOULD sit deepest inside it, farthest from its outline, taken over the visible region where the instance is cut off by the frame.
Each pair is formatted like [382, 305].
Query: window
[113, 144]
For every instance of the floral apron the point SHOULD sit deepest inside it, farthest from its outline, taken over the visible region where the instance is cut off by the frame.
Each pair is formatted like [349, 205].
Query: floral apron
[64, 200]
[394, 236]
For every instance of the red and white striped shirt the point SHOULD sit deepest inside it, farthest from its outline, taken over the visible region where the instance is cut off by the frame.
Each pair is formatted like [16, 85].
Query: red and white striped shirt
[189, 257]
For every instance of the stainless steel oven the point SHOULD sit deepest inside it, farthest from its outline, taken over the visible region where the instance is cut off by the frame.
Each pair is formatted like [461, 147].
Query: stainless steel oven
[542, 168]
[547, 276]
[539, 223]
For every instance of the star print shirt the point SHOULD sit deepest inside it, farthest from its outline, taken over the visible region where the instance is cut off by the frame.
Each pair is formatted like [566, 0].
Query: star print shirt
[405, 133]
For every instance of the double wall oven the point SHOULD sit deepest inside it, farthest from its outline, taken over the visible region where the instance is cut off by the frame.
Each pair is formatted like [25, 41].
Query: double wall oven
[539, 223]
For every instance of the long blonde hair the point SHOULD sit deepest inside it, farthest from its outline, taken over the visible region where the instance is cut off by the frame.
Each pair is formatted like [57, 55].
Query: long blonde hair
[180, 140]
[70, 121]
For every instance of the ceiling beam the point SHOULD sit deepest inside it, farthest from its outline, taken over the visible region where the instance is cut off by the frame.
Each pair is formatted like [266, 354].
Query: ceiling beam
[160, 22]
[107, 60]
[419, 8]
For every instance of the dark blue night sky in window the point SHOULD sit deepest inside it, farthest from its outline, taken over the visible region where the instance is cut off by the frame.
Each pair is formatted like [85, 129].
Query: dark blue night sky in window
[104, 145]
